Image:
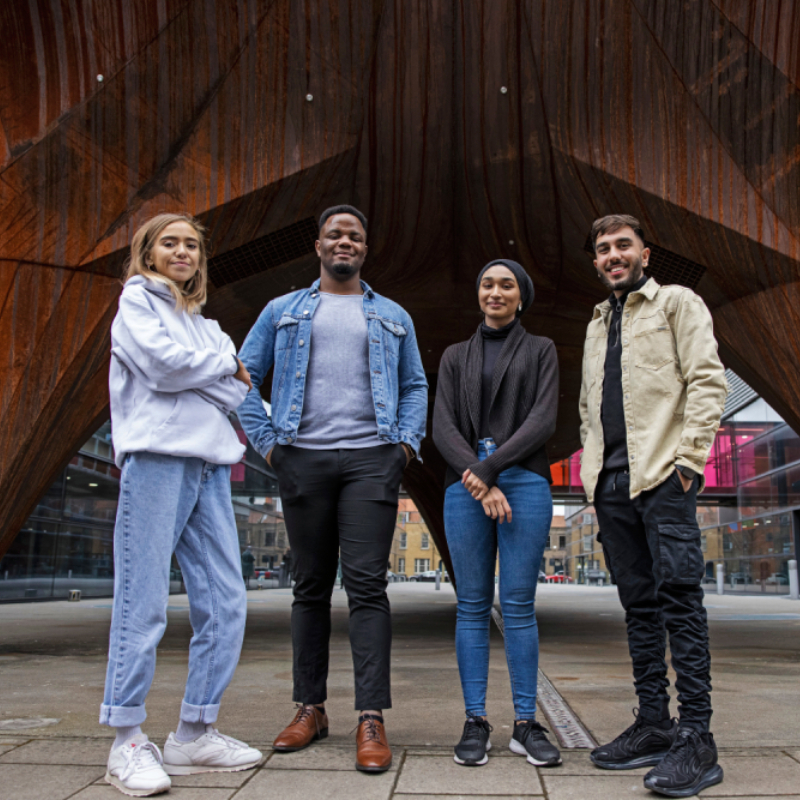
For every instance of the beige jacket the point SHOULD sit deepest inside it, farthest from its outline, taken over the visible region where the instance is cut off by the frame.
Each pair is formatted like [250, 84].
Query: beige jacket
[673, 386]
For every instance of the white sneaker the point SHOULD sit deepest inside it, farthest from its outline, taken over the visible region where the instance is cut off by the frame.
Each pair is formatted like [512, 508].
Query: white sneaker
[135, 768]
[211, 752]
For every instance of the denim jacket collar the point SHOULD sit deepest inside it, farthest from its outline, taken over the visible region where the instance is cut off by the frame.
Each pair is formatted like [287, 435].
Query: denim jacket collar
[364, 285]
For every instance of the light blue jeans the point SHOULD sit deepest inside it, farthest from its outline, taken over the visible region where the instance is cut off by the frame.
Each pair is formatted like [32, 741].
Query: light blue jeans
[474, 541]
[183, 505]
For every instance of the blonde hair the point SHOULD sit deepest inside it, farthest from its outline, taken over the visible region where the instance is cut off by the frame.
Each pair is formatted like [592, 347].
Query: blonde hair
[192, 297]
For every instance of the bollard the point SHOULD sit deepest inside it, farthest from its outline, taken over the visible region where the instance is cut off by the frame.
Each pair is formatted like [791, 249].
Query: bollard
[438, 580]
[74, 595]
[720, 579]
[794, 591]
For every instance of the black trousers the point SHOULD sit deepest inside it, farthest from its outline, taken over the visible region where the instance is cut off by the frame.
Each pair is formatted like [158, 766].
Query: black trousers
[341, 502]
[652, 547]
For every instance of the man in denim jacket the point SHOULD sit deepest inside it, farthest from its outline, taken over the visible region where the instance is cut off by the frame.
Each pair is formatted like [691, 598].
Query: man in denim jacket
[652, 395]
[349, 404]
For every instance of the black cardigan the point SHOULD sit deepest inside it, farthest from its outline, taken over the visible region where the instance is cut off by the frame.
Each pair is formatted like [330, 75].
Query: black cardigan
[523, 412]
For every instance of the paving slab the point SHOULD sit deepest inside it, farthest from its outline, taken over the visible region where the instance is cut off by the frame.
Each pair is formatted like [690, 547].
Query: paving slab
[321, 785]
[764, 776]
[213, 780]
[397, 796]
[795, 754]
[77, 752]
[611, 786]
[578, 763]
[206, 780]
[48, 782]
[5, 748]
[106, 792]
[440, 775]
[323, 757]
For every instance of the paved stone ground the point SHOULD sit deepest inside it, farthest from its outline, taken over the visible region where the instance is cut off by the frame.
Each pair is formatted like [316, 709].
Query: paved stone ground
[52, 659]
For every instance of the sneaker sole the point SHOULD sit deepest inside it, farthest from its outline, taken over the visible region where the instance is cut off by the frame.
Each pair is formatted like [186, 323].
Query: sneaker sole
[713, 776]
[651, 760]
[196, 769]
[466, 762]
[118, 784]
[323, 734]
[520, 750]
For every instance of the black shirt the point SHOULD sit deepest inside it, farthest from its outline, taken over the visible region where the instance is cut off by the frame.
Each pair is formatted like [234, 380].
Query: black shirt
[493, 341]
[615, 452]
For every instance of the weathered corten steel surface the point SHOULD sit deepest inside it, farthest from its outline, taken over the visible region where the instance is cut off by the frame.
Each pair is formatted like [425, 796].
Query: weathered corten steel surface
[465, 131]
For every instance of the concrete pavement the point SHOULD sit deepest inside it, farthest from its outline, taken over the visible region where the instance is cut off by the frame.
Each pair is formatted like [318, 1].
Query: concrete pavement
[52, 662]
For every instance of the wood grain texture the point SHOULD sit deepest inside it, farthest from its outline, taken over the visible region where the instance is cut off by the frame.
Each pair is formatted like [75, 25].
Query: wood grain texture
[685, 114]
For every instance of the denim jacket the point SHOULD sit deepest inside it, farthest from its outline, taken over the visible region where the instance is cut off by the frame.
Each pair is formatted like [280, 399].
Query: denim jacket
[281, 338]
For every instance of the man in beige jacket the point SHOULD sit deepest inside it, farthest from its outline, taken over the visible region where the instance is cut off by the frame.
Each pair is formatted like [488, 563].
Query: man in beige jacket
[652, 394]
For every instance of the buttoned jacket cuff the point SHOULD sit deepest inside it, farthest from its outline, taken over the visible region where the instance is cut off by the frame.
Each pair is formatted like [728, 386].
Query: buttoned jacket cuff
[265, 445]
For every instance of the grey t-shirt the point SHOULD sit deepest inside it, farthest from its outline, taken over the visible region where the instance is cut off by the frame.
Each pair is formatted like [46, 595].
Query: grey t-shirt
[338, 410]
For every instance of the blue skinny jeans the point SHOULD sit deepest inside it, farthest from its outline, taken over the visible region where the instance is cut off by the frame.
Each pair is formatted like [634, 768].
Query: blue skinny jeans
[183, 505]
[474, 540]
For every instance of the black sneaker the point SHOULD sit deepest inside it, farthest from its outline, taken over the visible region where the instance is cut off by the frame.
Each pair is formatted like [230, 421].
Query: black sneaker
[688, 768]
[474, 745]
[529, 740]
[643, 744]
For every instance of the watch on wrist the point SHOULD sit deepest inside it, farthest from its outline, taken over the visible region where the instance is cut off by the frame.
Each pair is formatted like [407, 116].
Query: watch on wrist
[687, 472]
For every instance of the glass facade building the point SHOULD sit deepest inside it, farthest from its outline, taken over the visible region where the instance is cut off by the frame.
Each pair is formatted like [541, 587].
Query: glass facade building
[67, 542]
[749, 514]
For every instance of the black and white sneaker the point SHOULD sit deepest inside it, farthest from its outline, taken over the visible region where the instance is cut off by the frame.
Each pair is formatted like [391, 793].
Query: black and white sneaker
[643, 744]
[472, 750]
[529, 740]
[689, 767]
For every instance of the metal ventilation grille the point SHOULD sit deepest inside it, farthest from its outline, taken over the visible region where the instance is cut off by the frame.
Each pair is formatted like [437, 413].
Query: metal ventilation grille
[264, 253]
[667, 267]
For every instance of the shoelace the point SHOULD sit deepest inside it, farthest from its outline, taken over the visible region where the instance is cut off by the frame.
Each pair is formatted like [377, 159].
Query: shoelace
[228, 741]
[372, 732]
[144, 755]
[533, 729]
[473, 727]
[639, 722]
[303, 712]
[675, 752]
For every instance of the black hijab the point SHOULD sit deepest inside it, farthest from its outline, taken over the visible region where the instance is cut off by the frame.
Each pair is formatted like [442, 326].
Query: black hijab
[523, 281]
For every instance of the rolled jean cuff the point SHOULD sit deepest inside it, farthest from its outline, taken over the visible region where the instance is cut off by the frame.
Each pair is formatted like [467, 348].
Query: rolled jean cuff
[480, 712]
[122, 716]
[207, 714]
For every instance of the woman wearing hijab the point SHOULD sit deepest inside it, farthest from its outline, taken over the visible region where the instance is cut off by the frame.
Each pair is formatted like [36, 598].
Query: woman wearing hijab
[495, 410]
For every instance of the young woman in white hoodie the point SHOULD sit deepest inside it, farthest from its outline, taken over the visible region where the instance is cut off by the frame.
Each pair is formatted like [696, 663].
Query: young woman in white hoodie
[174, 379]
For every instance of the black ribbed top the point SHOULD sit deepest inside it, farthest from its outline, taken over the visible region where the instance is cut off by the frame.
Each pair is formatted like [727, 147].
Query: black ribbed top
[522, 411]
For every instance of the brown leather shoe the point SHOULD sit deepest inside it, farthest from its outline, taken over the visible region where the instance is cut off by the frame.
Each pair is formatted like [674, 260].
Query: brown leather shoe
[308, 725]
[373, 754]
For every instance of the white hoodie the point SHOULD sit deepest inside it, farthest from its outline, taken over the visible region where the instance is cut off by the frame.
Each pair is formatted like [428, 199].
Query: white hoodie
[171, 379]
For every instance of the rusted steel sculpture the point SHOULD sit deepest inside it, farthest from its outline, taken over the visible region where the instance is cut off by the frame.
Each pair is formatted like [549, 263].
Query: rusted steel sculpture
[464, 130]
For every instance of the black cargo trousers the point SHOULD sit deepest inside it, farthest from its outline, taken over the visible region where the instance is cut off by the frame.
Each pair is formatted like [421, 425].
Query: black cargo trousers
[652, 548]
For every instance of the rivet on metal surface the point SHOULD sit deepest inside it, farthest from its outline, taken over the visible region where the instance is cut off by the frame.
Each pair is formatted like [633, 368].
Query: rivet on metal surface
[504, 90]
[309, 97]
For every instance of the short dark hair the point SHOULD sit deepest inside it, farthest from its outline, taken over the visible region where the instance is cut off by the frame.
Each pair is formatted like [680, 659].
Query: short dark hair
[352, 210]
[612, 223]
